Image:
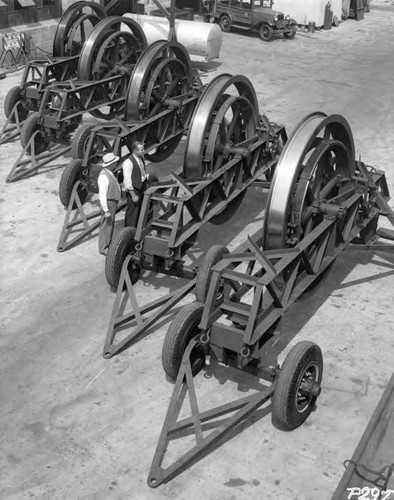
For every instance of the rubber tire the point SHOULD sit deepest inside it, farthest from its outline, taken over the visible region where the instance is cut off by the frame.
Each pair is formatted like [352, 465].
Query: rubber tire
[204, 274]
[179, 334]
[292, 34]
[266, 33]
[79, 141]
[121, 246]
[13, 96]
[27, 131]
[225, 24]
[70, 175]
[285, 415]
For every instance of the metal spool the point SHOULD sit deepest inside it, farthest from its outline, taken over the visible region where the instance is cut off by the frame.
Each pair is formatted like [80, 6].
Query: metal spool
[161, 78]
[75, 26]
[315, 166]
[223, 126]
[109, 52]
[221, 123]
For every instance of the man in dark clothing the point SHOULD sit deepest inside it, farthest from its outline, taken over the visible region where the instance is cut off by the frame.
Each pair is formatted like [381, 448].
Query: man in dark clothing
[136, 182]
[109, 196]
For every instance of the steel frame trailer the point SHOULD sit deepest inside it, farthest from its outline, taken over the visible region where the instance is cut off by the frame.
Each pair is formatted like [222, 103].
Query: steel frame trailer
[105, 65]
[249, 138]
[62, 65]
[321, 202]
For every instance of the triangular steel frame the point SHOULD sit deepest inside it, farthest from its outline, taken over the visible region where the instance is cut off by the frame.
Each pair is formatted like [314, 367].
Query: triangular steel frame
[76, 217]
[28, 164]
[119, 319]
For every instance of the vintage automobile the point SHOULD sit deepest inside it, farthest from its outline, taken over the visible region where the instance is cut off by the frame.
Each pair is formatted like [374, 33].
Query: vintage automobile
[251, 14]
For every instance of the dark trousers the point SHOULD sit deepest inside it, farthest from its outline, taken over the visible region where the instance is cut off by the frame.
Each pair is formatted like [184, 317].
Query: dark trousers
[107, 227]
[133, 209]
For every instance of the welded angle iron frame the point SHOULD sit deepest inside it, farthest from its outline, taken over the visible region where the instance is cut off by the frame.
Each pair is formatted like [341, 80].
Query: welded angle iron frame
[297, 268]
[12, 127]
[37, 75]
[76, 98]
[119, 134]
[76, 217]
[161, 243]
[72, 101]
[28, 164]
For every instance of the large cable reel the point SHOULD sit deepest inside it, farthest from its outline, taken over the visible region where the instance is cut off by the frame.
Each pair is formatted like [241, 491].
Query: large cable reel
[75, 26]
[111, 49]
[316, 166]
[161, 79]
[223, 126]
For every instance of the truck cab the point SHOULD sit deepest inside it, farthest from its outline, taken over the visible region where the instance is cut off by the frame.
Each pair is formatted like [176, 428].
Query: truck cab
[251, 14]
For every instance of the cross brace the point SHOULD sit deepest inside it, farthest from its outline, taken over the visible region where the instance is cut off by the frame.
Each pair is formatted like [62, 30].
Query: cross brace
[77, 221]
[28, 164]
[298, 268]
[12, 127]
[120, 320]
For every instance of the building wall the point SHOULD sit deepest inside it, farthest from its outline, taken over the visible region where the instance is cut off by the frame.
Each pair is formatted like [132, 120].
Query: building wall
[306, 11]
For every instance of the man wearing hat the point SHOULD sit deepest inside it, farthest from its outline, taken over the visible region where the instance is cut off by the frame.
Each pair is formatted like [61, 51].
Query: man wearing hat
[109, 196]
[136, 181]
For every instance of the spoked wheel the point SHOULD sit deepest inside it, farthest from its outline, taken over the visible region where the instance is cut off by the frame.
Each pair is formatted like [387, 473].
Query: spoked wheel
[225, 24]
[75, 26]
[121, 246]
[266, 33]
[297, 386]
[182, 330]
[291, 34]
[224, 125]
[315, 167]
[31, 128]
[161, 77]
[110, 52]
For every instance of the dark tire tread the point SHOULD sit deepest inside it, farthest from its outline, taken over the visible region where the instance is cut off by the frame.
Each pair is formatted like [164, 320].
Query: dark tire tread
[13, 96]
[284, 413]
[27, 131]
[70, 175]
[79, 140]
[204, 275]
[177, 337]
[120, 247]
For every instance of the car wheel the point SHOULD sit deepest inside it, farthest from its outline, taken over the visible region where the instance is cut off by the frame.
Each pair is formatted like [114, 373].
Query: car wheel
[291, 34]
[266, 32]
[225, 24]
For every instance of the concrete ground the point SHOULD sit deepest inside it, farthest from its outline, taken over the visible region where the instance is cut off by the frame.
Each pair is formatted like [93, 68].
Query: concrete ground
[76, 426]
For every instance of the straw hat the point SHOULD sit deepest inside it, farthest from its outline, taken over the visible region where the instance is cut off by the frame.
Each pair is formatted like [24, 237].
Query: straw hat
[109, 158]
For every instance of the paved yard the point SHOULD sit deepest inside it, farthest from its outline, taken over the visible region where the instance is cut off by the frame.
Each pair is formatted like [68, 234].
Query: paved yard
[76, 426]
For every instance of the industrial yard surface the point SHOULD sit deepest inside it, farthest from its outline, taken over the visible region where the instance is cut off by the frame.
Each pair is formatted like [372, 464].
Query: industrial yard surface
[76, 426]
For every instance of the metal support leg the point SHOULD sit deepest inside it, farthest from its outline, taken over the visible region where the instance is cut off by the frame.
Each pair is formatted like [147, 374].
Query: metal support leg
[174, 429]
[12, 128]
[77, 217]
[27, 165]
[121, 320]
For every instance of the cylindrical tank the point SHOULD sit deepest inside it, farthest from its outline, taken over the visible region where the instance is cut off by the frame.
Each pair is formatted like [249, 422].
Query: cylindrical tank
[199, 38]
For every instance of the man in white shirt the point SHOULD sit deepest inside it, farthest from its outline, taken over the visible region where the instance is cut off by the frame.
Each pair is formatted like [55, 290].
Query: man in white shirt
[109, 196]
[136, 181]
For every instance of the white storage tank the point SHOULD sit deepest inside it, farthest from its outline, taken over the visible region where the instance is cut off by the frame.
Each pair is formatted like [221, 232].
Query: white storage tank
[200, 39]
